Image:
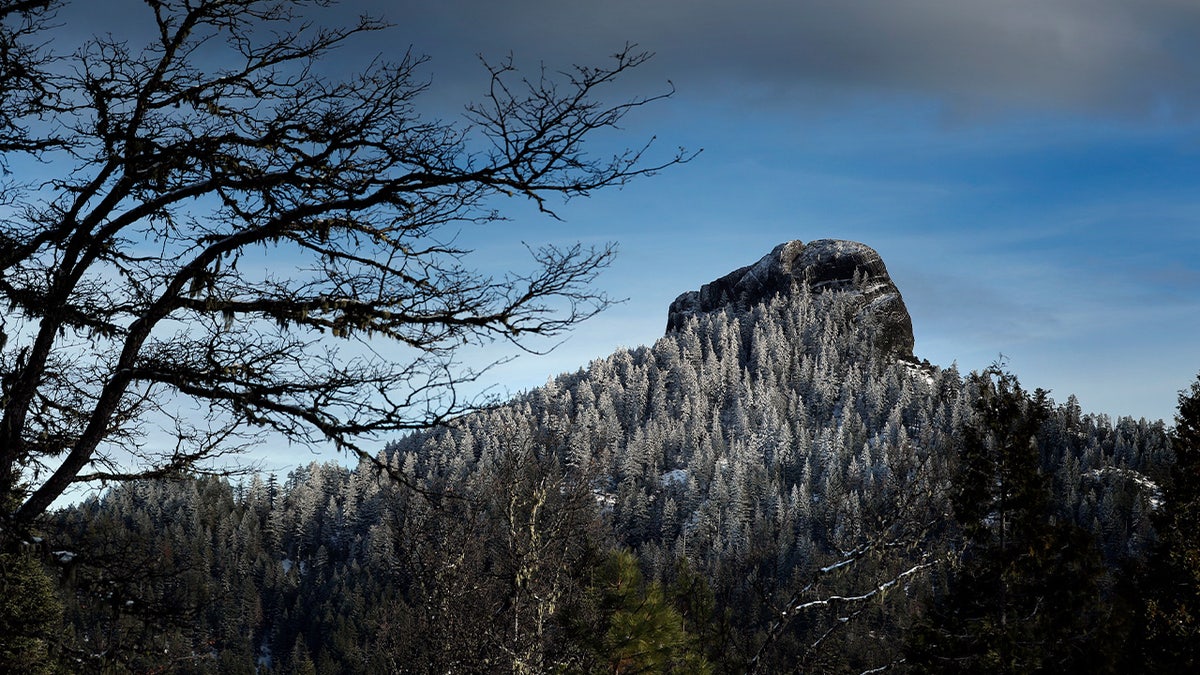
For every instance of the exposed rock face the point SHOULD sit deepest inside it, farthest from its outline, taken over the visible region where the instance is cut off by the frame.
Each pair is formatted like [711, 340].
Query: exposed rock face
[825, 264]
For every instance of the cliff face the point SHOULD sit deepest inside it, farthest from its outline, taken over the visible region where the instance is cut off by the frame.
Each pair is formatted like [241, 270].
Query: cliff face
[823, 265]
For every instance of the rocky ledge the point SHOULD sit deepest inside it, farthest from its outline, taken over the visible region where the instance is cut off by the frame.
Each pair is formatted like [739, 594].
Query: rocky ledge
[825, 264]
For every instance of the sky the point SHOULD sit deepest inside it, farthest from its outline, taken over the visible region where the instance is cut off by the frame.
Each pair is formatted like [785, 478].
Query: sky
[1029, 170]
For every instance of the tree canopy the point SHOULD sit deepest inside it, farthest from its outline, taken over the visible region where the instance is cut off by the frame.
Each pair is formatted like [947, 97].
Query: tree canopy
[1024, 594]
[1170, 584]
[136, 278]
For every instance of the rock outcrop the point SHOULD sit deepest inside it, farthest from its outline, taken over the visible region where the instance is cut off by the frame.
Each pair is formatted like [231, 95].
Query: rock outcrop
[825, 264]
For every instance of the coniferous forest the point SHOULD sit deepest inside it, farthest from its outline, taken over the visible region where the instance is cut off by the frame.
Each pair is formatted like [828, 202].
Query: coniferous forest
[759, 491]
[222, 225]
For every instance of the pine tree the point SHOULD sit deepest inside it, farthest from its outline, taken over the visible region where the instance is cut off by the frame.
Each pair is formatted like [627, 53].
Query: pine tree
[633, 627]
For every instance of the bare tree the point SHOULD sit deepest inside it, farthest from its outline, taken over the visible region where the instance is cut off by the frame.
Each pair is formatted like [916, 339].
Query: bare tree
[137, 280]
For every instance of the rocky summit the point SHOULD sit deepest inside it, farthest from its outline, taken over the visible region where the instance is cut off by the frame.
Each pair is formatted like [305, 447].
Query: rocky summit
[823, 265]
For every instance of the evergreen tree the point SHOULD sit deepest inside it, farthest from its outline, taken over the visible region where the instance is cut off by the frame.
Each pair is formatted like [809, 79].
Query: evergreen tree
[1023, 597]
[30, 615]
[632, 627]
[1172, 593]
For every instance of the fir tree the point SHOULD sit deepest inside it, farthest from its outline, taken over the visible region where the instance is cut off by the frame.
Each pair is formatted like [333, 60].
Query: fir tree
[1024, 596]
[30, 615]
[1172, 593]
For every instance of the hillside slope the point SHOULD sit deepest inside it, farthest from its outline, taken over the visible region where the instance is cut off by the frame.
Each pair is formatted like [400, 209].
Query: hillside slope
[779, 465]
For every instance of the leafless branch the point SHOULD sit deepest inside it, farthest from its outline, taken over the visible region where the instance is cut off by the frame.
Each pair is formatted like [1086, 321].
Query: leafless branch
[142, 273]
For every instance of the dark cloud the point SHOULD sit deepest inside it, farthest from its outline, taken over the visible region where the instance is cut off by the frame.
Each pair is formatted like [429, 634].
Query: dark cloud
[1129, 58]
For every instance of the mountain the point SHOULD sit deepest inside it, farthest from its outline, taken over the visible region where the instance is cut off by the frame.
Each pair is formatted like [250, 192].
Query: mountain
[820, 266]
[774, 485]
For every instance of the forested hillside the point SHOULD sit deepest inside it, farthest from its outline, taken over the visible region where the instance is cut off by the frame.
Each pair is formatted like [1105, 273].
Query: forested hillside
[235, 228]
[765, 489]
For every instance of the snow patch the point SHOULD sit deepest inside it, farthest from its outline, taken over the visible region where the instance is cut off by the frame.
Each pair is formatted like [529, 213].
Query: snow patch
[674, 477]
[266, 660]
[919, 371]
[606, 500]
[1154, 494]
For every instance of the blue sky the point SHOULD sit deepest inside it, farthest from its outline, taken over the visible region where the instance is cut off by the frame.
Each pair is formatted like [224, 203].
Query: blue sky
[1029, 170]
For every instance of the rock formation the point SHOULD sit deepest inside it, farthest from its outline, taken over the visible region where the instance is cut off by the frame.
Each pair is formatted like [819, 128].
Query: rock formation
[825, 264]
